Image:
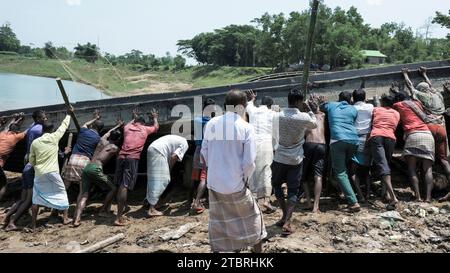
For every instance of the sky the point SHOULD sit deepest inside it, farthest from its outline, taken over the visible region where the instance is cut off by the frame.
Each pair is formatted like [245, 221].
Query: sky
[155, 26]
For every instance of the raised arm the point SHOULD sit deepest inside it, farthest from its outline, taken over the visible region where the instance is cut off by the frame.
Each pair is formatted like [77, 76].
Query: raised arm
[119, 124]
[408, 81]
[17, 118]
[154, 115]
[423, 71]
[59, 133]
[96, 117]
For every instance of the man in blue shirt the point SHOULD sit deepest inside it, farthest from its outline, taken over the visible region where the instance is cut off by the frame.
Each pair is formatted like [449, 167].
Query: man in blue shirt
[83, 150]
[343, 143]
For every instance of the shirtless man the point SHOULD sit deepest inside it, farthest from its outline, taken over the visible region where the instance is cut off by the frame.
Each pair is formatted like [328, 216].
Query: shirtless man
[93, 173]
[315, 154]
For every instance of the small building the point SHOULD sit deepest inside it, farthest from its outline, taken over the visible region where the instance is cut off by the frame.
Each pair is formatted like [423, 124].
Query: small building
[373, 56]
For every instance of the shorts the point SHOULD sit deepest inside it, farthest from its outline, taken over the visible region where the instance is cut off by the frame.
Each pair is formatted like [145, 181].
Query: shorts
[382, 149]
[289, 174]
[28, 177]
[126, 172]
[315, 154]
[93, 173]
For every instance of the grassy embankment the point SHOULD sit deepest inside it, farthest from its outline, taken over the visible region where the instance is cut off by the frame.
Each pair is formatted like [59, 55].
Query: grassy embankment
[121, 81]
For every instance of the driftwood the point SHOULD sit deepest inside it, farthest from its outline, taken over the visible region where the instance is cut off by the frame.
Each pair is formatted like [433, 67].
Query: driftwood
[102, 244]
[177, 234]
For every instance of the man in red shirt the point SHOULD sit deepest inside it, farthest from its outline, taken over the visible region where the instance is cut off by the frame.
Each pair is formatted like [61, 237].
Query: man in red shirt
[9, 137]
[382, 143]
[135, 136]
[419, 144]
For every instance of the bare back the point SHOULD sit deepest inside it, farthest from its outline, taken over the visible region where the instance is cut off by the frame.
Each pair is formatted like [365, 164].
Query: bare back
[317, 135]
[103, 155]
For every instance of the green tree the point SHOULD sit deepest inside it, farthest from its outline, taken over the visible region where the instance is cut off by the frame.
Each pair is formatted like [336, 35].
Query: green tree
[179, 62]
[443, 20]
[49, 50]
[8, 39]
[88, 52]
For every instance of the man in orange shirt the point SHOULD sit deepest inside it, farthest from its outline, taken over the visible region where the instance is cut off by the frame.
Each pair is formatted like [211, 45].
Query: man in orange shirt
[9, 137]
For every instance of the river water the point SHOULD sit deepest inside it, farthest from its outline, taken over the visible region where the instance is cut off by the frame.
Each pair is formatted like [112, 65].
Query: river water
[22, 91]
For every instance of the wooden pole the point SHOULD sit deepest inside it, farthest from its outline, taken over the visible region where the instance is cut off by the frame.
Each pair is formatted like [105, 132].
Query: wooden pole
[102, 244]
[309, 46]
[66, 101]
[69, 145]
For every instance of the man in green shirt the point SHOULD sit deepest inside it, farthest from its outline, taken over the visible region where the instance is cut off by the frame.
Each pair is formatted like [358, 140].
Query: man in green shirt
[49, 190]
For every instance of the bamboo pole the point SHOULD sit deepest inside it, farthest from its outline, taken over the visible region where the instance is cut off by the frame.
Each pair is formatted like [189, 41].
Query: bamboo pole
[69, 145]
[309, 46]
[66, 101]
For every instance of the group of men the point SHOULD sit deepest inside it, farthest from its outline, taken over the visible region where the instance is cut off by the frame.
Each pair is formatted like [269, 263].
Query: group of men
[242, 157]
[44, 186]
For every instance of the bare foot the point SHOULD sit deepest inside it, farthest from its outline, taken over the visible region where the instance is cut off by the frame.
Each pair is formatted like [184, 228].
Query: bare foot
[76, 224]
[354, 208]
[120, 222]
[316, 210]
[445, 198]
[11, 227]
[154, 213]
[67, 221]
[287, 229]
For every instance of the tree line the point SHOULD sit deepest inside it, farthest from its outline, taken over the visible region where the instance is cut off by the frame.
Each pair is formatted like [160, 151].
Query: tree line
[278, 40]
[136, 60]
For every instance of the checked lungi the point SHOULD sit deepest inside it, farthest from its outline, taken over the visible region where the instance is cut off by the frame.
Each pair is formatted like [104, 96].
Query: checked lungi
[420, 145]
[235, 221]
[74, 169]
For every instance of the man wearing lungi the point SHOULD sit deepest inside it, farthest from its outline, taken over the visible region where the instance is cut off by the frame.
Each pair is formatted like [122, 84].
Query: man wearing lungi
[229, 151]
[82, 151]
[93, 173]
[433, 102]
[19, 207]
[162, 155]
[49, 190]
[419, 143]
[290, 126]
[262, 120]
[135, 136]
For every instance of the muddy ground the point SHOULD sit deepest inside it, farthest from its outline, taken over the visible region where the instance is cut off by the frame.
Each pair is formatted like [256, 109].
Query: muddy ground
[419, 227]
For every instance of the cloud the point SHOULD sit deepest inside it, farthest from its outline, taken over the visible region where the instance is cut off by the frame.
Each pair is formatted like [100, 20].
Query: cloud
[374, 2]
[73, 2]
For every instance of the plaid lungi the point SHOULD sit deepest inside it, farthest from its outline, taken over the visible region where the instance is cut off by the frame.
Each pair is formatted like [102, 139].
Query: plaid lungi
[158, 175]
[420, 144]
[235, 221]
[261, 180]
[74, 169]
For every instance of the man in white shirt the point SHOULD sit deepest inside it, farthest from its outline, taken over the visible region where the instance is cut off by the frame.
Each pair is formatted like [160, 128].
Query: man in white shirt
[262, 120]
[162, 155]
[229, 151]
[290, 126]
[361, 160]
